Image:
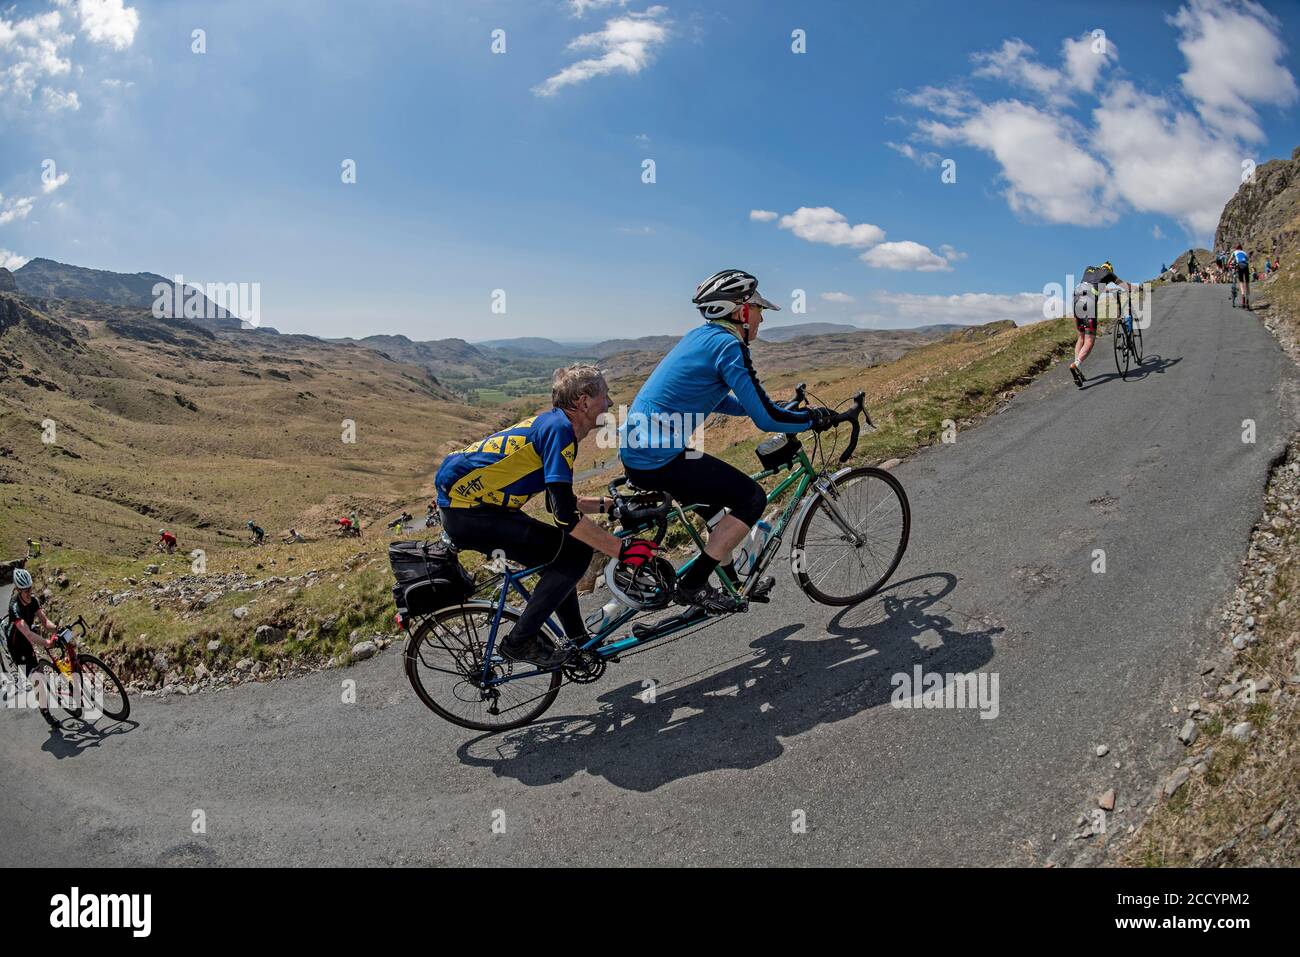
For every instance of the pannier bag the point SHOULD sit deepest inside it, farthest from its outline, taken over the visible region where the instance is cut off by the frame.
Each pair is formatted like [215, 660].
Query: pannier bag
[429, 576]
[778, 451]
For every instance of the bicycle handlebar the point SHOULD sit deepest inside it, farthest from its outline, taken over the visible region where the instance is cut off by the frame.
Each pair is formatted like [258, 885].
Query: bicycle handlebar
[632, 517]
[849, 415]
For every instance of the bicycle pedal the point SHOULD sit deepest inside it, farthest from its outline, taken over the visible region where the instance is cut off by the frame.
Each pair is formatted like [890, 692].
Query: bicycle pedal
[763, 590]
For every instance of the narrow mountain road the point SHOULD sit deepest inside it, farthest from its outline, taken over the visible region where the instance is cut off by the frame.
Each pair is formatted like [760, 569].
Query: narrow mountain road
[783, 710]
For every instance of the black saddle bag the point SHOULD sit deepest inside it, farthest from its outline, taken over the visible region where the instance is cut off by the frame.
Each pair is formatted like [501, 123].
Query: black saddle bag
[429, 576]
[778, 451]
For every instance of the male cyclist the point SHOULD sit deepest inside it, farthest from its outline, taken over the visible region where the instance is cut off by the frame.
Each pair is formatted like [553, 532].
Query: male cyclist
[482, 489]
[698, 377]
[166, 540]
[24, 610]
[257, 532]
[1085, 313]
[1241, 264]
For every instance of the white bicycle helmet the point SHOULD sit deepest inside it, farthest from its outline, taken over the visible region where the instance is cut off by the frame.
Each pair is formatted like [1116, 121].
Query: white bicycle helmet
[22, 579]
[647, 588]
[719, 295]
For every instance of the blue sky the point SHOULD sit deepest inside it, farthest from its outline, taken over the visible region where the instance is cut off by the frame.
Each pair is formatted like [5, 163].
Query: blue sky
[522, 170]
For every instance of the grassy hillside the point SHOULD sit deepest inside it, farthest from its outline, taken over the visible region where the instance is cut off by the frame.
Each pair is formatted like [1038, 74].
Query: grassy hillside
[162, 423]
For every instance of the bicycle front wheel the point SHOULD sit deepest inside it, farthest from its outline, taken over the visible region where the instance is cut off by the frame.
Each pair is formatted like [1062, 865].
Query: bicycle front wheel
[445, 665]
[94, 673]
[1121, 348]
[55, 698]
[852, 539]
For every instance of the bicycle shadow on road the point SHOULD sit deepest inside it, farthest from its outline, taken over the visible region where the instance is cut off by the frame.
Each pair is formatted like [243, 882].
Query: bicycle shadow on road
[72, 738]
[1152, 363]
[790, 682]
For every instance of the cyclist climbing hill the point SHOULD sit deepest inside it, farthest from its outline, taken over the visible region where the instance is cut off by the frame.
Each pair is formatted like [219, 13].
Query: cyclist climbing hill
[1241, 274]
[1085, 312]
[483, 487]
[23, 612]
[699, 377]
[257, 533]
[166, 541]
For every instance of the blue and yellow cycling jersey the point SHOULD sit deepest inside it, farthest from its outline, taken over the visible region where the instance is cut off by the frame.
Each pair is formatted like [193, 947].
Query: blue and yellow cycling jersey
[510, 466]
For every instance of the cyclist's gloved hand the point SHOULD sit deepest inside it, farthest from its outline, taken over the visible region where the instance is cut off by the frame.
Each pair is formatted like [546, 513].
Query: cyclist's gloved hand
[637, 552]
[821, 418]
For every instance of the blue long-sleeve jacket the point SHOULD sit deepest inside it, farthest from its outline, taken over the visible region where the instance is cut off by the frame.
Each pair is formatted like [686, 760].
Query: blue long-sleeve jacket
[698, 377]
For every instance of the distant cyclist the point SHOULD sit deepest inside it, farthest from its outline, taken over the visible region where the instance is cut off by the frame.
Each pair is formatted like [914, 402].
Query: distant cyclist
[708, 371]
[482, 490]
[1193, 267]
[257, 533]
[294, 538]
[1086, 298]
[166, 541]
[1241, 263]
[24, 611]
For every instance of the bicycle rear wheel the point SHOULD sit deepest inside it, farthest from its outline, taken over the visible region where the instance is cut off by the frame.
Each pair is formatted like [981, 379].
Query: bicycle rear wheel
[1137, 344]
[835, 565]
[1121, 349]
[94, 672]
[444, 663]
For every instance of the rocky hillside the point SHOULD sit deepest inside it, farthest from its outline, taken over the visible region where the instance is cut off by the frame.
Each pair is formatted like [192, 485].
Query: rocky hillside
[48, 279]
[1264, 215]
[113, 423]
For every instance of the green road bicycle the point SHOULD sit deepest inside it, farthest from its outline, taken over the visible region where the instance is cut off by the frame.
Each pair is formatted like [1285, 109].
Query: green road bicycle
[850, 530]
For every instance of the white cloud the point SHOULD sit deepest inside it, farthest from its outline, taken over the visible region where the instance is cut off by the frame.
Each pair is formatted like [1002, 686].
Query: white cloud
[30, 52]
[1197, 170]
[1048, 175]
[1084, 59]
[12, 210]
[762, 215]
[950, 102]
[892, 310]
[1016, 62]
[1156, 233]
[926, 159]
[1233, 55]
[905, 255]
[55, 100]
[106, 21]
[822, 224]
[1158, 154]
[50, 185]
[626, 44]
[35, 50]
[579, 8]
[838, 297]
[951, 254]
[9, 260]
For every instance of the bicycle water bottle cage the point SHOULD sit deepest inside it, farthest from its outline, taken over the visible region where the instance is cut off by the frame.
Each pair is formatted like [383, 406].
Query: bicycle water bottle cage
[777, 451]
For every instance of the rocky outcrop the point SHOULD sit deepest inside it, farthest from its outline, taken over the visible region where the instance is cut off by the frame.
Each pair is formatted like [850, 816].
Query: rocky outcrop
[7, 281]
[1264, 215]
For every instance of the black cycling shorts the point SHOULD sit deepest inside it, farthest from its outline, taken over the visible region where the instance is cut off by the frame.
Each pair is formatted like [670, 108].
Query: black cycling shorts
[1086, 324]
[21, 650]
[1243, 273]
[706, 481]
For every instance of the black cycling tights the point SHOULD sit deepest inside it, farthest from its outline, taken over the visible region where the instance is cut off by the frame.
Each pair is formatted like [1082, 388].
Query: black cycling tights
[704, 480]
[487, 528]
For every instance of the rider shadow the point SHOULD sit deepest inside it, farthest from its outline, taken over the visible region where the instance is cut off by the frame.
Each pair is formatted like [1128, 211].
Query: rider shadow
[1151, 363]
[792, 682]
[72, 737]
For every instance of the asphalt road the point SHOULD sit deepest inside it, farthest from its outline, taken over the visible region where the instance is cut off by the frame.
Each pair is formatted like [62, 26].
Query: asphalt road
[783, 710]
